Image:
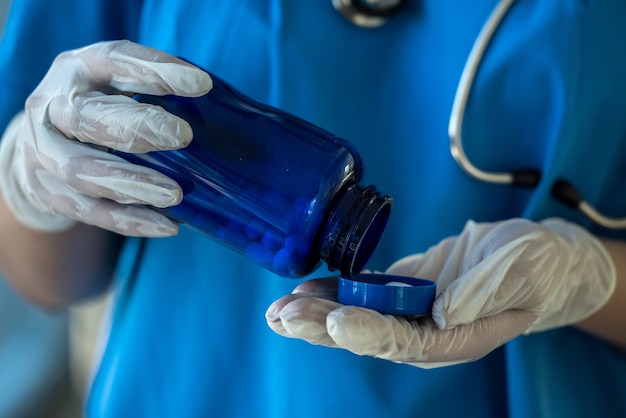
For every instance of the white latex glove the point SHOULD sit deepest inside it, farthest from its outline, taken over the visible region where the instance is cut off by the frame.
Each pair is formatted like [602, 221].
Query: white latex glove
[495, 281]
[54, 164]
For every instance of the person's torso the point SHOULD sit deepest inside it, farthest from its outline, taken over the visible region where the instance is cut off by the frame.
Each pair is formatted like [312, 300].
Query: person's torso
[189, 336]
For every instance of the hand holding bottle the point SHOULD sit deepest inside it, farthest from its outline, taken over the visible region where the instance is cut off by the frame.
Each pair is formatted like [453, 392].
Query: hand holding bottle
[54, 165]
[495, 281]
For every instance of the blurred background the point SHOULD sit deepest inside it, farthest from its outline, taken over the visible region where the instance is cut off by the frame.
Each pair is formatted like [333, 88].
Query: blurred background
[46, 358]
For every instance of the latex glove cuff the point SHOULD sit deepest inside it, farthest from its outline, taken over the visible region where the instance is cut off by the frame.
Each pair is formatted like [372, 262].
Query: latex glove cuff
[27, 208]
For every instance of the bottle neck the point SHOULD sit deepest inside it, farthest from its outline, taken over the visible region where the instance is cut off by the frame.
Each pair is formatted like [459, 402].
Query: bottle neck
[355, 222]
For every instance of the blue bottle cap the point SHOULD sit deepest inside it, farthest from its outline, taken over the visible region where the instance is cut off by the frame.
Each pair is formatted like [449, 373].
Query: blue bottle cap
[387, 294]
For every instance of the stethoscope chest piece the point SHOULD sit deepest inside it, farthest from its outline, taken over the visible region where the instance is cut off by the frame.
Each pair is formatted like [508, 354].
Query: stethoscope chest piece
[368, 13]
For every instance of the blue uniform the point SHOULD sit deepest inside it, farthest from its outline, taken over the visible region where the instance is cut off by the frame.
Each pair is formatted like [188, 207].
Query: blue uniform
[188, 336]
[33, 345]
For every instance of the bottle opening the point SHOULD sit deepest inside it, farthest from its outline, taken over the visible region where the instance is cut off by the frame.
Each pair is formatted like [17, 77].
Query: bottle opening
[355, 224]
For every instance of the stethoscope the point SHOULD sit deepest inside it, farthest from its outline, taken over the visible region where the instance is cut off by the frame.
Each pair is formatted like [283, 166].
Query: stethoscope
[368, 13]
[374, 13]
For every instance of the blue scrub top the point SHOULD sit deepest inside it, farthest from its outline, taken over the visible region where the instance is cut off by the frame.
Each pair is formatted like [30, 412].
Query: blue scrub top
[189, 337]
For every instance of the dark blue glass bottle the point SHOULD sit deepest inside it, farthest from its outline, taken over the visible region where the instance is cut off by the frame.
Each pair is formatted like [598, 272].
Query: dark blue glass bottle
[268, 184]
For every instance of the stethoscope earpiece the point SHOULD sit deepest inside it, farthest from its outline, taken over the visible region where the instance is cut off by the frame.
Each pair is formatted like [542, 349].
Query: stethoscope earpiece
[368, 13]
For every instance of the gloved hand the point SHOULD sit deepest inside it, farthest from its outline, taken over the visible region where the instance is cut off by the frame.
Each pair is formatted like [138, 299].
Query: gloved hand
[495, 281]
[54, 164]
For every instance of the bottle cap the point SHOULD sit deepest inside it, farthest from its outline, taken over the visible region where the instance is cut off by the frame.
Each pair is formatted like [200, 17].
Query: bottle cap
[387, 294]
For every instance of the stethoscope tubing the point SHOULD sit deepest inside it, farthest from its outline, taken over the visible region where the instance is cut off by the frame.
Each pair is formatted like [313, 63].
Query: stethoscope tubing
[368, 13]
[374, 13]
[561, 190]
[466, 81]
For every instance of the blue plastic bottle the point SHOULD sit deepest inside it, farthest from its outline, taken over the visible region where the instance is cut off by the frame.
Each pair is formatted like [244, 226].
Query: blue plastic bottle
[268, 184]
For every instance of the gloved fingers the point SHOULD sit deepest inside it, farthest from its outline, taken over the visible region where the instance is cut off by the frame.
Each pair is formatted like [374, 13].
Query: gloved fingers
[324, 287]
[123, 219]
[46, 171]
[122, 182]
[131, 67]
[420, 342]
[292, 318]
[301, 316]
[118, 122]
[126, 220]
[366, 332]
[96, 173]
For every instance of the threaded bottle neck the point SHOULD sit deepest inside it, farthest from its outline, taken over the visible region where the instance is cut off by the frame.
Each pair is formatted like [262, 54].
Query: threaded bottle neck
[355, 222]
